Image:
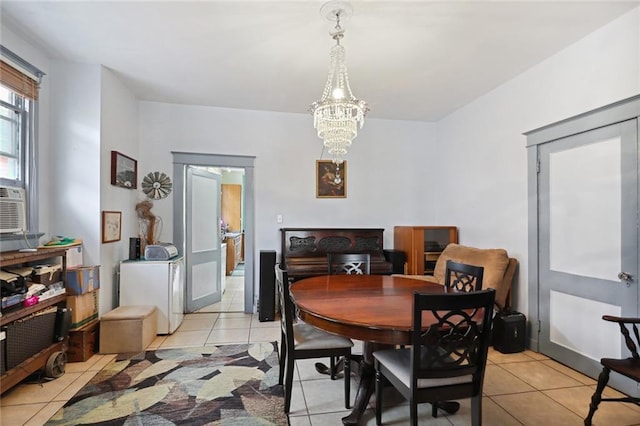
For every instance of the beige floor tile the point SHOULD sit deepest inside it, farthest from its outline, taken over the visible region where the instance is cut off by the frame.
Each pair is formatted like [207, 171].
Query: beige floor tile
[298, 403]
[499, 358]
[28, 393]
[157, 342]
[498, 381]
[200, 315]
[256, 323]
[539, 375]
[303, 420]
[74, 387]
[235, 315]
[45, 414]
[492, 414]
[264, 335]
[536, 409]
[186, 338]
[608, 413]
[228, 335]
[238, 322]
[19, 414]
[325, 395]
[535, 355]
[192, 324]
[569, 372]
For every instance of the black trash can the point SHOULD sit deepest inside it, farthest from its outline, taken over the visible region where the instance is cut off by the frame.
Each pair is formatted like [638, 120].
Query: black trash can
[509, 332]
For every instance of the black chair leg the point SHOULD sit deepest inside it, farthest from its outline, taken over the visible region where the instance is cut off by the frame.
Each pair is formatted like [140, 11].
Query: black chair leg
[283, 356]
[347, 382]
[332, 367]
[603, 379]
[476, 410]
[434, 409]
[413, 412]
[378, 398]
[288, 384]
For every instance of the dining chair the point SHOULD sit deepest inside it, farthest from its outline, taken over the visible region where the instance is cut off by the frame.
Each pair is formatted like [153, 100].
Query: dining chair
[629, 367]
[349, 263]
[448, 353]
[461, 277]
[299, 340]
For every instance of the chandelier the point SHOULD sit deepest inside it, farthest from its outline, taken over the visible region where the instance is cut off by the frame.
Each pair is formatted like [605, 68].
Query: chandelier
[338, 114]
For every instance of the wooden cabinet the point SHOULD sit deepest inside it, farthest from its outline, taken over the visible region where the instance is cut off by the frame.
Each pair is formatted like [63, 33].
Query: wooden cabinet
[423, 245]
[234, 252]
[39, 360]
[231, 206]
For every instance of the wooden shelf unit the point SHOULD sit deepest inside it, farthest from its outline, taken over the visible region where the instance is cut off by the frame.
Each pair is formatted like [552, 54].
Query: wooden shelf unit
[38, 360]
[422, 245]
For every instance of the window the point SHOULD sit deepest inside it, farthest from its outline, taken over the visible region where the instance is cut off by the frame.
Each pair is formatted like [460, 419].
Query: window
[19, 82]
[15, 117]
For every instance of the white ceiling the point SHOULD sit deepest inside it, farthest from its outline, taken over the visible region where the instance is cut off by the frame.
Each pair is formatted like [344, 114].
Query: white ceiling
[411, 60]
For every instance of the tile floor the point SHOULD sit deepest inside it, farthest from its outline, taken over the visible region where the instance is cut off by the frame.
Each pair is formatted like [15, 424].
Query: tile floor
[520, 389]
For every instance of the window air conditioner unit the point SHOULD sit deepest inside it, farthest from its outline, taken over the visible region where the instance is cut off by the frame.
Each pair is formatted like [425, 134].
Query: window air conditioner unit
[13, 212]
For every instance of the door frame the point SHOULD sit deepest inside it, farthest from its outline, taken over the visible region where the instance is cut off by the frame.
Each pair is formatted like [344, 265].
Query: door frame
[627, 109]
[183, 159]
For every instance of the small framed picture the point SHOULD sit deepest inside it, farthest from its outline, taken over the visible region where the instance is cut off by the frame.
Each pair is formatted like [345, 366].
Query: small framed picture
[124, 171]
[111, 226]
[331, 179]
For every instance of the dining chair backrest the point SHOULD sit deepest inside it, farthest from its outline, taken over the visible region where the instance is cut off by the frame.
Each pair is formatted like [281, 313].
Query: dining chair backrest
[300, 340]
[462, 278]
[349, 263]
[286, 305]
[456, 343]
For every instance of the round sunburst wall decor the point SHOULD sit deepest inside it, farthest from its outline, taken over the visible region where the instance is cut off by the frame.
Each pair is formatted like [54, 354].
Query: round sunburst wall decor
[156, 185]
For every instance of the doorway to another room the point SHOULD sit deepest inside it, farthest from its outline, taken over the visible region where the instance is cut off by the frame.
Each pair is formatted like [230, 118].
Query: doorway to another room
[232, 295]
[236, 259]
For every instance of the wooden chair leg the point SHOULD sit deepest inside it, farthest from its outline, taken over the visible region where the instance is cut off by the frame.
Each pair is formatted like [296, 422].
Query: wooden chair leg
[378, 398]
[603, 379]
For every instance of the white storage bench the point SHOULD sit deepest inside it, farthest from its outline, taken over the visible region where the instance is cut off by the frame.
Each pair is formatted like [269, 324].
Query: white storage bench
[128, 329]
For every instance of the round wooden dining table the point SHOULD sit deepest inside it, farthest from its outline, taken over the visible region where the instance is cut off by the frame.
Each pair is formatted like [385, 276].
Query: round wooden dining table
[376, 309]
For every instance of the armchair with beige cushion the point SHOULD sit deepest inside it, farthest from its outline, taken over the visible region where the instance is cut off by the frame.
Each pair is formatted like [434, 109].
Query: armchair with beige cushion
[499, 269]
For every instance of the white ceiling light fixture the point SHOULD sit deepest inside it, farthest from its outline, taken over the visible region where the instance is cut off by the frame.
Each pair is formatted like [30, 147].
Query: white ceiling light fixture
[338, 114]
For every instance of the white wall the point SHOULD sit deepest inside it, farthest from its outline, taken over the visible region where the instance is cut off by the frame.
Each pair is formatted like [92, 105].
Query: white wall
[84, 113]
[118, 132]
[38, 59]
[399, 173]
[388, 164]
[75, 158]
[484, 145]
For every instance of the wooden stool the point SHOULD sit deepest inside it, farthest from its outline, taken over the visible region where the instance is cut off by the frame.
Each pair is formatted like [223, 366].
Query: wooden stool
[128, 329]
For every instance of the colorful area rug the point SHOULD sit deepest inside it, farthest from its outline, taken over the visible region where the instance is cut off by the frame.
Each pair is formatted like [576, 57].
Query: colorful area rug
[222, 385]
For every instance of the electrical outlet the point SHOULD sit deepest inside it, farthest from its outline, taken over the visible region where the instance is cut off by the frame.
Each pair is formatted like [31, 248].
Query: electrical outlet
[279, 218]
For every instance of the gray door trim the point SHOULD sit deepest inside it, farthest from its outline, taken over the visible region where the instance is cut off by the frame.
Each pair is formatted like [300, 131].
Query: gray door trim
[616, 112]
[180, 161]
[626, 109]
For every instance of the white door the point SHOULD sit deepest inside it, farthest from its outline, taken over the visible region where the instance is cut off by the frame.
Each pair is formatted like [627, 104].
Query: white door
[588, 245]
[202, 238]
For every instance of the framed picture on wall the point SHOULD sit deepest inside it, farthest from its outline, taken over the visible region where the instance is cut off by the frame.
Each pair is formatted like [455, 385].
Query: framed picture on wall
[124, 171]
[111, 226]
[331, 179]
